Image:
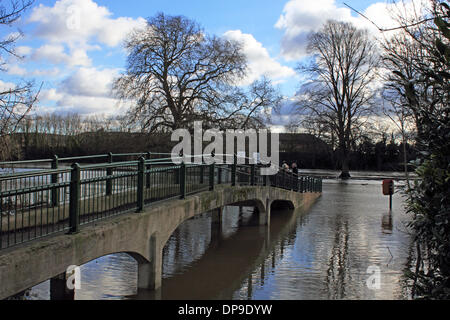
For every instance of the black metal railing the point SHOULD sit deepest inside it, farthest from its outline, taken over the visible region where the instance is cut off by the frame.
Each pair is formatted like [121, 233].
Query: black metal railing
[39, 203]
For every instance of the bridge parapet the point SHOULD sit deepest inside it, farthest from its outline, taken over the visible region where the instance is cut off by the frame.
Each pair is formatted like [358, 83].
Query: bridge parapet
[142, 235]
[40, 203]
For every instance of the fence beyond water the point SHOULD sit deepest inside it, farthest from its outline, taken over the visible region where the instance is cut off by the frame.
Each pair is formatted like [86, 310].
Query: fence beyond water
[39, 203]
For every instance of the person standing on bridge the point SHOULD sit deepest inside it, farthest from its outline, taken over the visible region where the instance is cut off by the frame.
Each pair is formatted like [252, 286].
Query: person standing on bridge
[294, 168]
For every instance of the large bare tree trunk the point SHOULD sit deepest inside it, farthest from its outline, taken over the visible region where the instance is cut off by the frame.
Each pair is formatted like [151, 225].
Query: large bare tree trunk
[345, 172]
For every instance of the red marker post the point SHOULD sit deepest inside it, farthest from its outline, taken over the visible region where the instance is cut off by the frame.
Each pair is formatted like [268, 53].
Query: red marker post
[388, 190]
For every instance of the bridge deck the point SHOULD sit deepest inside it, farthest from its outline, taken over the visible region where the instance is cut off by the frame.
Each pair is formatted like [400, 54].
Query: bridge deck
[142, 235]
[37, 204]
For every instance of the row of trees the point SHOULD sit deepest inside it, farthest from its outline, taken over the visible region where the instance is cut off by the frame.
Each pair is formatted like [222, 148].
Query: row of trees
[414, 80]
[177, 74]
[413, 67]
[42, 136]
[419, 60]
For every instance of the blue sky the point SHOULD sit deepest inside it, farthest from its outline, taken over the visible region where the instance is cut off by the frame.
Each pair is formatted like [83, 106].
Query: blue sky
[74, 47]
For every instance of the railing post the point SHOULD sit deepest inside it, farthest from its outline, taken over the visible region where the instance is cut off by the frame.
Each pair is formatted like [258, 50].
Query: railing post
[183, 180]
[212, 169]
[147, 178]
[233, 171]
[54, 180]
[74, 202]
[140, 185]
[109, 172]
[252, 175]
[1, 209]
[202, 173]
[265, 178]
[291, 181]
[219, 175]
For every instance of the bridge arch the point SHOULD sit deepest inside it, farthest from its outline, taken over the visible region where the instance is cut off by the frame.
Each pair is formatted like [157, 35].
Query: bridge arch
[282, 204]
[141, 235]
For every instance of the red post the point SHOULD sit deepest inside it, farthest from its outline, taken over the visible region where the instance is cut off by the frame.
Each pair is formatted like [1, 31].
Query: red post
[388, 190]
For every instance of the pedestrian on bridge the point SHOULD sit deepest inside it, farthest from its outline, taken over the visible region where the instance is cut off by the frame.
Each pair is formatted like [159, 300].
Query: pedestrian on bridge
[294, 168]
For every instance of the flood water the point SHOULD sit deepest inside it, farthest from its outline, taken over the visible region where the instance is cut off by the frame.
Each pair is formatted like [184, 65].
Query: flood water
[323, 253]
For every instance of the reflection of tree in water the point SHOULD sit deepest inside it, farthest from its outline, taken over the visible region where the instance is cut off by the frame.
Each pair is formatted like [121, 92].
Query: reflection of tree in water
[337, 272]
[406, 283]
[187, 244]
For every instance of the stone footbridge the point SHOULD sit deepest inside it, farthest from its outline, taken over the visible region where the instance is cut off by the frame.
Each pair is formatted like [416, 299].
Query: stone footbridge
[126, 207]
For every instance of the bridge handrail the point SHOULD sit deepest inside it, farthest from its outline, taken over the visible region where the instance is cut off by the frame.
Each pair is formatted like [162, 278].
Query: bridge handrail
[39, 203]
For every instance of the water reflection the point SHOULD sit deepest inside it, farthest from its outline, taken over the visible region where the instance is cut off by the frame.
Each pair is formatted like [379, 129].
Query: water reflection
[321, 254]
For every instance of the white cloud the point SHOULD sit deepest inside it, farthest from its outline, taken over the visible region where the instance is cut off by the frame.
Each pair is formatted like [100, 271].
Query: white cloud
[90, 82]
[87, 91]
[259, 61]
[77, 22]
[23, 50]
[55, 53]
[300, 17]
[50, 95]
[15, 70]
[6, 86]
[19, 71]
[86, 105]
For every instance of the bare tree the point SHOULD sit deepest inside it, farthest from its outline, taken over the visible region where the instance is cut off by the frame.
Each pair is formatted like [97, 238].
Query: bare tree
[16, 100]
[246, 108]
[340, 95]
[394, 104]
[418, 59]
[177, 74]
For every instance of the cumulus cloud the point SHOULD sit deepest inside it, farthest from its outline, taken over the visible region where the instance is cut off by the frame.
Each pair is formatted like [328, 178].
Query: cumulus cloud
[86, 91]
[259, 61]
[85, 105]
[6, 86]
[56, 54]
[89, 82]
[23, 50]
[67, 31]
[50, 95]
[301, 17]
[16, 70]
[76, 22]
